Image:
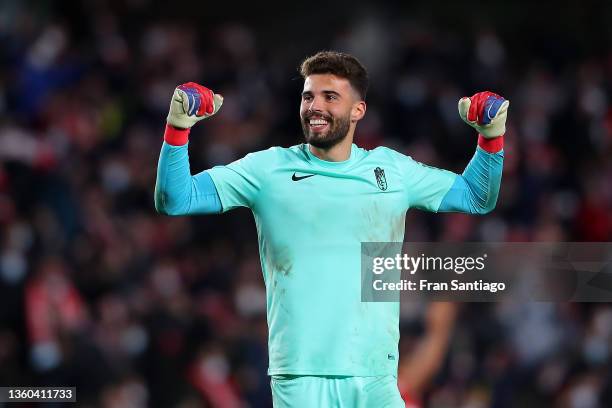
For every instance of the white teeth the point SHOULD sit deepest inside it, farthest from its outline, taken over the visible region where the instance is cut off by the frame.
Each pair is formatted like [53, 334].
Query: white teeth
[314, 122]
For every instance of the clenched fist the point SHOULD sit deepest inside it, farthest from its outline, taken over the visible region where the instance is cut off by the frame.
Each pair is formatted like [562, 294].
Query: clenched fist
[486, 112]
[191, 103]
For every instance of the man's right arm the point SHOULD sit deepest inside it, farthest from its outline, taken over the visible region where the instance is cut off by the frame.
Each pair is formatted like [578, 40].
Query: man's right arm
[177, 192]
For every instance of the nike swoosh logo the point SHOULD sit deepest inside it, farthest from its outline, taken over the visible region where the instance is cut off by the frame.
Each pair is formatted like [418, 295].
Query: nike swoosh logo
[298, 178]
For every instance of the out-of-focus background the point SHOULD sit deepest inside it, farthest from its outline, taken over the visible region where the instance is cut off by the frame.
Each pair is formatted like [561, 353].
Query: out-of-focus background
[138, 309]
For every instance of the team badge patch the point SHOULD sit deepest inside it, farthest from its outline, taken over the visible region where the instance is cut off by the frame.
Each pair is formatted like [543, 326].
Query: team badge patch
[380, 178]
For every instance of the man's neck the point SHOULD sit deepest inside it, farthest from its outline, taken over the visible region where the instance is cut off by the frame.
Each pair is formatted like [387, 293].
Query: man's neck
[337, 153]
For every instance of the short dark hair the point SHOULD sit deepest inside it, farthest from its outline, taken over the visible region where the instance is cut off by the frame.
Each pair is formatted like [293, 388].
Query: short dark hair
[340, 64]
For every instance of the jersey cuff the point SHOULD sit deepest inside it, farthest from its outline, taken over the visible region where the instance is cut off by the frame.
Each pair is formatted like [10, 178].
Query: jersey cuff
[494, 145]
[176, 137]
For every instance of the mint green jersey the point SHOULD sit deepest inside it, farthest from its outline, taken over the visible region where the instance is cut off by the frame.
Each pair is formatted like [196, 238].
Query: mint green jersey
[312, 216]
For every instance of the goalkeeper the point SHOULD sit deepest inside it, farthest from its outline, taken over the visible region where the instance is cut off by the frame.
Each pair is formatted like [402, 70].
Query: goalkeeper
[314, 203]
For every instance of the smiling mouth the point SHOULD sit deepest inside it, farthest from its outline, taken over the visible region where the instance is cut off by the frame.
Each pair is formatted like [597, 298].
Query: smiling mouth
[318, 124]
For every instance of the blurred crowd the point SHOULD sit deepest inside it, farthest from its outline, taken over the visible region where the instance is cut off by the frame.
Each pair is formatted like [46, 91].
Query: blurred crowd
[137, 309]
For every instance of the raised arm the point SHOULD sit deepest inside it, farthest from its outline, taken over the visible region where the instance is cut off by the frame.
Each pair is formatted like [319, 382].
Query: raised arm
[177, 192]
[475, 191]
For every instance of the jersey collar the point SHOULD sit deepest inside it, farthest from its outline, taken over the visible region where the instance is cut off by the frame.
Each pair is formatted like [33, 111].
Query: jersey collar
[325, 163]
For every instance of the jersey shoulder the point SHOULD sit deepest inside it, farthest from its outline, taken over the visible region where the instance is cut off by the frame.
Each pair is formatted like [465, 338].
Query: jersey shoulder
[403, 163]
[296, 153]
[387, 151]
[271, 155]
[386, 154]
[281, 152]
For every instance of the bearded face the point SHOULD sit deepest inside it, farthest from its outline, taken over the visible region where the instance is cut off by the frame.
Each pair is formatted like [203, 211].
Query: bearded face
[328, 108]
[324, 130]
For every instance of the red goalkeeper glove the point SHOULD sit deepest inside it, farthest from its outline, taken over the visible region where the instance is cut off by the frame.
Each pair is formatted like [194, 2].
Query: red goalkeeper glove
[486, 112]
[191, 103]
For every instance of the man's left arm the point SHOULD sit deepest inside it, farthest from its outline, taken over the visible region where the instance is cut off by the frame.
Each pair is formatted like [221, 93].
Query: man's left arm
[475, 191]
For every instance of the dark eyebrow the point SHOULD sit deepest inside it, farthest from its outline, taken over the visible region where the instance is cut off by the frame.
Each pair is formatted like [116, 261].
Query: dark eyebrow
[331, 93]
[327, 92]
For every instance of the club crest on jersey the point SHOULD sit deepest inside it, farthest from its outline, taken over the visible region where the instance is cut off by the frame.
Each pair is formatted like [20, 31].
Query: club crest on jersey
[380, 178]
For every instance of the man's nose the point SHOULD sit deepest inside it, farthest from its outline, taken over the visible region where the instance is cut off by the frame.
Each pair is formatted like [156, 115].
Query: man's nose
[315, 105]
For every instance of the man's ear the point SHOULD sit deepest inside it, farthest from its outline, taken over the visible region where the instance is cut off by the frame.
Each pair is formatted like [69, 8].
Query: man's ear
[358, 111]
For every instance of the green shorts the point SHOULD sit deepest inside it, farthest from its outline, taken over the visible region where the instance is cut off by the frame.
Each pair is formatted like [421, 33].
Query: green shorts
[309, 391]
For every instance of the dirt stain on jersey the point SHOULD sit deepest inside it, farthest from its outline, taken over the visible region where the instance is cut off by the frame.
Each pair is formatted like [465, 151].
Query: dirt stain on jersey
[279, 260]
